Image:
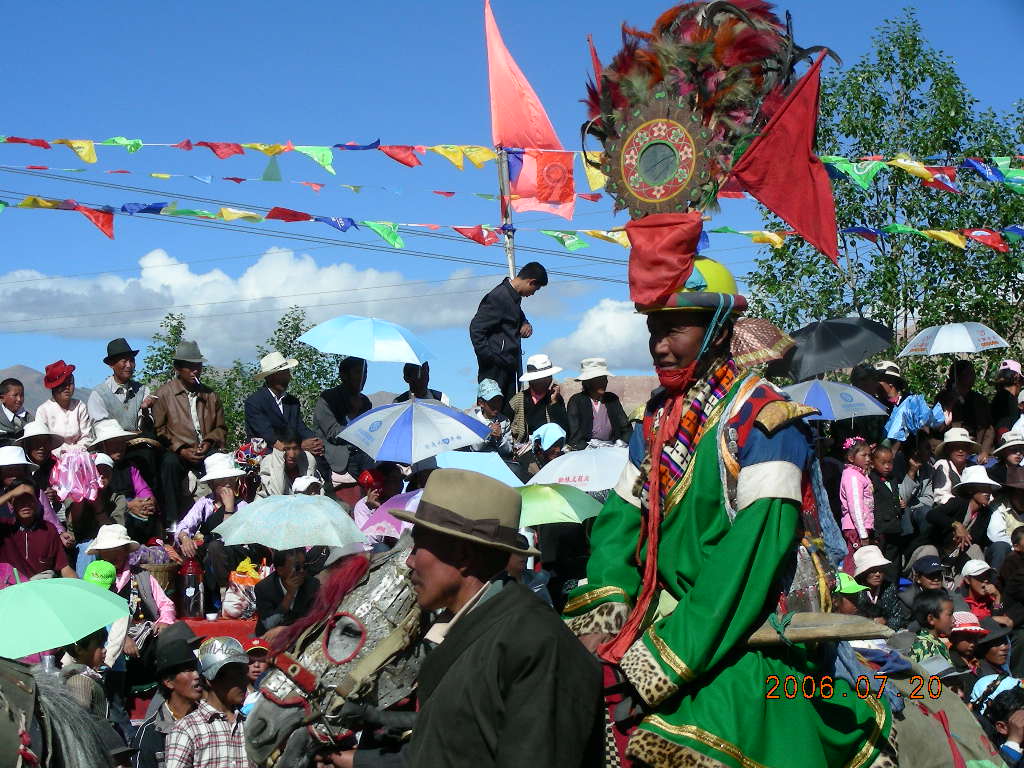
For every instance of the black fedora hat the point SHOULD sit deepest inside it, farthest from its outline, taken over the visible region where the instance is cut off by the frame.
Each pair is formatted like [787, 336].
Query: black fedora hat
[119, 348]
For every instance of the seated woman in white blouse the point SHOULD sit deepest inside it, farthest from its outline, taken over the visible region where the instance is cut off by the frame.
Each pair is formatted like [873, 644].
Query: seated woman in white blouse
[62, 414]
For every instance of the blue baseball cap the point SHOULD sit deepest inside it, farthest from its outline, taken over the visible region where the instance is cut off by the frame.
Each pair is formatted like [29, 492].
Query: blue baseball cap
[488, 390]
[547, 435]
[927, 564]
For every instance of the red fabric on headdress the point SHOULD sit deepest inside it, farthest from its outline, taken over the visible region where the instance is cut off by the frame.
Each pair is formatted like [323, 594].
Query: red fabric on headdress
[661, 256]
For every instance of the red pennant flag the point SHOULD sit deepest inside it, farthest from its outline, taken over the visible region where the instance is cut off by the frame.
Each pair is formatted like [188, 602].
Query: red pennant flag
[988, 237]
[287, 214]
[185, 144]
[591, 196]
[478, 234]
[37, 167]
[41, 143]
[316, 187]
[443, 193]
[403, 154]
[104, 220]
[119, 170]
[288, 147]
[781, 170]
[943, 177]
[222, 149]
[236, 179]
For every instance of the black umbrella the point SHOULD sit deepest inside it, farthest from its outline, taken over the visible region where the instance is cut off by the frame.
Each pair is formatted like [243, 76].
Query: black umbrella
[829, 345]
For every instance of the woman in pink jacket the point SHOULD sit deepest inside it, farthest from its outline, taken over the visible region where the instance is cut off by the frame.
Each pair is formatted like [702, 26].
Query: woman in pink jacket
[856, 498]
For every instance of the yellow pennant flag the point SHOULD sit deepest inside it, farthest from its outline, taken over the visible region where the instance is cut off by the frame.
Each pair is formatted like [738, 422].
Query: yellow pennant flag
[452, 152]
[595, 178]
[160, 175]
[911, 166]
[946, 236]
[38, 202]
[267, 149]
[84, 148]
[478, 155]
[774, 239]
[617, 236]
[231, 214]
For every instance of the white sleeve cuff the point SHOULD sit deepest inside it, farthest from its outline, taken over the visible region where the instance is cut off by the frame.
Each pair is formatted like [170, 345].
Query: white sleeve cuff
[768, 480]
[627, 482]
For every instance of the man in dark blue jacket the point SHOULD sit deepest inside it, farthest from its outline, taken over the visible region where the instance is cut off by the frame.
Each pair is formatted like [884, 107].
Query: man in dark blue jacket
[271, 409]
[499, 324]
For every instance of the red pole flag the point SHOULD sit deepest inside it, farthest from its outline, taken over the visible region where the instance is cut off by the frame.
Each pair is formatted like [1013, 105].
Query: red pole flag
[781, 170]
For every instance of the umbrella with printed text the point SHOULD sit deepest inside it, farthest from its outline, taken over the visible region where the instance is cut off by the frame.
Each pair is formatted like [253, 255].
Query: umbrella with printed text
[834, 400]
[591, 470]
[953, 338]
[51, 613]
[412, 431]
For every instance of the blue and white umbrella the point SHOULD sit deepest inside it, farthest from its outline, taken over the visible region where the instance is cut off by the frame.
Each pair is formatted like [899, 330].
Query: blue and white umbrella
[366, 337]
[835, 401]
[485, 462]
[412, 431]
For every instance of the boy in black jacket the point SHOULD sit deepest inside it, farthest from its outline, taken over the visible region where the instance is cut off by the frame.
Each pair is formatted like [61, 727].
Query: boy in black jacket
[888, 511]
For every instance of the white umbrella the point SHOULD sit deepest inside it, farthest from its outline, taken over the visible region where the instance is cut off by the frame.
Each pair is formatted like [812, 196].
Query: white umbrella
[590, 470]
[953, 338]
[368, 338]
[412, 431]
[287, 522]
[834, 400]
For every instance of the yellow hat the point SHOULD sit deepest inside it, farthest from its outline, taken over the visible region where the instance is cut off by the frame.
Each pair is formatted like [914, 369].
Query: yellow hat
[710, 286]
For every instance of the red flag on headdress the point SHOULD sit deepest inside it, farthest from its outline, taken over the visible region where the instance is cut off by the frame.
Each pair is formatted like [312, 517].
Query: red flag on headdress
[781, 170]
[478, 234]
[104, 220]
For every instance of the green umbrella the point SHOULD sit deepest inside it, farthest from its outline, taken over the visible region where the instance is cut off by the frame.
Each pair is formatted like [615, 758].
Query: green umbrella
[51, 613]
[556, 504]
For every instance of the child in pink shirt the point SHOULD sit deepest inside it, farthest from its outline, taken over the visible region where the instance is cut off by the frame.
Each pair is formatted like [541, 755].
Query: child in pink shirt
[856, 498]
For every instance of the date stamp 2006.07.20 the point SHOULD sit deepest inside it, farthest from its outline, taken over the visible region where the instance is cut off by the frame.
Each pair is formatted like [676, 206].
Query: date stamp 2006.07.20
[823, 687]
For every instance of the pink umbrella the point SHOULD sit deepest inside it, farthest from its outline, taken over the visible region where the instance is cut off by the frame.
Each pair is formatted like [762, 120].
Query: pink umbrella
[383, 524]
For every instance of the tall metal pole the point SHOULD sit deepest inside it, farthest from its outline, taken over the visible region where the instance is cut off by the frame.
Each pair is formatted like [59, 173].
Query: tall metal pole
[505, 188]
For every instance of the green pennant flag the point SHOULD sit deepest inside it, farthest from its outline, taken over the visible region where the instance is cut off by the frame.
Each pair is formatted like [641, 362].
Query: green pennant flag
[3, 204]
[132, 145]
[356, 188]
[388, 232]
[862, 172]
[273, 171]
[484, 195]
[323, 156]
[174, 210]
[569, 239]
[1014, 177]
[901, 229]
[725, 231]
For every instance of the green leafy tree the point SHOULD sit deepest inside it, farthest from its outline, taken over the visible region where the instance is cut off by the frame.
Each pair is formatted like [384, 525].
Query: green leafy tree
[905, 96]
[157, 364]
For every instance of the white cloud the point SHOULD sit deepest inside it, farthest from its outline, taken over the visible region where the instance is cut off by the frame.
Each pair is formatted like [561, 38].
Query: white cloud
[228, 315]
[611, 329]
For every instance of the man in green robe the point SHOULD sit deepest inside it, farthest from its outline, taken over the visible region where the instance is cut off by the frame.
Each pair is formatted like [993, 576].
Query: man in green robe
[689, 557]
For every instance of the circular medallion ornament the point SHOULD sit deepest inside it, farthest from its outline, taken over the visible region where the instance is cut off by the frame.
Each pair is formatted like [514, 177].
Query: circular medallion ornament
[660, 164]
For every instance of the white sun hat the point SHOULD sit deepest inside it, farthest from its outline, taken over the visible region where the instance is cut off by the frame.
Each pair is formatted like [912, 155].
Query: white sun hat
[539, 367]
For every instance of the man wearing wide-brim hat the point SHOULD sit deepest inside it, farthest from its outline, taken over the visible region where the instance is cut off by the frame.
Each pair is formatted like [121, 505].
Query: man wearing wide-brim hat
[687, 550]
[540, 403]
[189, 421]
[960, 525]
[891, 383]
[272, 410]
[120, 396]
[507, 683]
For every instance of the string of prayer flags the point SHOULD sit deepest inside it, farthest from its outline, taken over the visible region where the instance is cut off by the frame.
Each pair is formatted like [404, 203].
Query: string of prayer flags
[478, 234]
[85, 149]
[988, 237]
[132, 145]
[568, 238]
[388, 232]
[322, 156]
[287, 214]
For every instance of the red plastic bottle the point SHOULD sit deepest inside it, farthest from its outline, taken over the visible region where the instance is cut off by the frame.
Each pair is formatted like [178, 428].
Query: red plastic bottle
[190, 589]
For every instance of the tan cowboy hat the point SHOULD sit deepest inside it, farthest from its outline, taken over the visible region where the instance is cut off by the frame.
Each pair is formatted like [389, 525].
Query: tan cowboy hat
[108, 429]
[955, 436]
[38, 429]
[470, 506]
[592, 368]
[275, 362]
[538, 367]
[111, 537]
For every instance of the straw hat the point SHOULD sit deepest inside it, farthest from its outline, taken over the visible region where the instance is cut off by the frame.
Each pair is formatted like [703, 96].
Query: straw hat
[220, 466]
[111, 537]
[275, 362]
[14, 455]
[470, 506]
[538, 367]
[866, 558]
[108, 429]
[38, 429]
[956, 436]
[975, 476]
[592, 368]
[1010, 440]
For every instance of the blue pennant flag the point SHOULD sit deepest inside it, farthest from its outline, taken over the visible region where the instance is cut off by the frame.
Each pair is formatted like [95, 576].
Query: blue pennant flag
[132, 208]
[987, 172]
[373, 145]
[704, 242]
[338, 222]
[204, 179]
[515, 164]
[868, 233]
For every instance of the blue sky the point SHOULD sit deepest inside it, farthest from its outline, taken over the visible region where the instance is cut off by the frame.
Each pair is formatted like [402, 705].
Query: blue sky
[412, 73]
